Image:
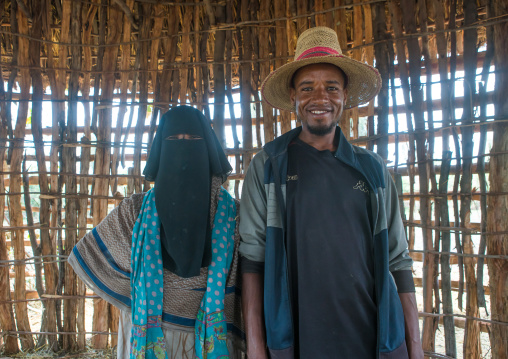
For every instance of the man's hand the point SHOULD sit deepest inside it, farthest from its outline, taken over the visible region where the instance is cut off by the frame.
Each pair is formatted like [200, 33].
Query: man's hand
[252, 308]
[413, 342]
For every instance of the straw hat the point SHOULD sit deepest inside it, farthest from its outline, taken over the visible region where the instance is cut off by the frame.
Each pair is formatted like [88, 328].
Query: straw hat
[320, 45]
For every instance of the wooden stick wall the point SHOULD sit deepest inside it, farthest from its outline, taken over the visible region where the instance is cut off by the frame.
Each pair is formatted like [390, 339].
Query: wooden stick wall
[85, 83]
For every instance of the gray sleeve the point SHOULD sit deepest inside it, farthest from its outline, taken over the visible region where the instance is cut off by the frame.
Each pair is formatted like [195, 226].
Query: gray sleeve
[397, 242]
[253, 211]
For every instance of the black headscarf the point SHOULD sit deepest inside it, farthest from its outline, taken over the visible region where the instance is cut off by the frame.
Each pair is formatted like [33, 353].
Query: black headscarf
[182, 171]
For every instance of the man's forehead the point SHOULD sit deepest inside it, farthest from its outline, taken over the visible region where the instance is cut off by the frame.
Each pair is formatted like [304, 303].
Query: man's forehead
[312, 68]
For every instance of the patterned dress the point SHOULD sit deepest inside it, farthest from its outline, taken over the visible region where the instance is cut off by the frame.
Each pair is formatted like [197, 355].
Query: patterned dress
[102, 259]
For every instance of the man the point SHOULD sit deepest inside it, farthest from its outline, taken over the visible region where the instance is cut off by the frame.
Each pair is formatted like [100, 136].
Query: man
[167, 258]
[326, 270]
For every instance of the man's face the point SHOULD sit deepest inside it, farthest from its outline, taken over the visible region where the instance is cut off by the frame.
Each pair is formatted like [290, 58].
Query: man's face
[319, 97]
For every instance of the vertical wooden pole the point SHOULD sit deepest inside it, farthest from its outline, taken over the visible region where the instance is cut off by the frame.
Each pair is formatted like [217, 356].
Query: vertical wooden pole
[205, 72]
[472, 345]
[7, 323]
[408, 11]
[229, 91]
[453, 66]
[198, 70]
[246, 88]
[341, 29]
[396, 17]
[442, 49]
[170, 50]
[143, 53]
[423, 18]
[350, 128]
[302, 7]
[15, 211]
[264, 54]
[125, 65]
[185, 52]
[320, 18]
[254, 9]
[369, 59]
[103, 154]
[340, 25]
[380, 34]
[49, 314]
[281, 51]
[218, 77]
[82, 216]
[48, 208]
[497, 242]
[69, 159]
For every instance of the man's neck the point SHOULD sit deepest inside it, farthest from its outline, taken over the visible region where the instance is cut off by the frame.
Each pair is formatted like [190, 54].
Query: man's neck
[320, 143]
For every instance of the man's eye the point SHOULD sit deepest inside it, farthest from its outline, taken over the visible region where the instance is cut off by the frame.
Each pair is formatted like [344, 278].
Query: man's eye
[306, 89]
[332, 88]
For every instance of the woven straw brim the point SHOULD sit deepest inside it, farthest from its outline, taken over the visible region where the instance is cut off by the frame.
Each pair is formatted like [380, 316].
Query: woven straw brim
[364, 81]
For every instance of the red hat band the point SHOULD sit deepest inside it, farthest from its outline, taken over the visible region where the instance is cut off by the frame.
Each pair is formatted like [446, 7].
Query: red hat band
[317, 52]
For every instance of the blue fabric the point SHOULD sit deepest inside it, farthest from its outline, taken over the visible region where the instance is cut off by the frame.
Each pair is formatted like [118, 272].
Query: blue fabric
[107, 254]
[391, 331]
[277, 313]
[211, 328]
[147, 339]
[97, 282]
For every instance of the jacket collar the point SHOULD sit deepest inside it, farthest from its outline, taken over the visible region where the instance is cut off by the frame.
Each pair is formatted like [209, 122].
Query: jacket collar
[279, 146]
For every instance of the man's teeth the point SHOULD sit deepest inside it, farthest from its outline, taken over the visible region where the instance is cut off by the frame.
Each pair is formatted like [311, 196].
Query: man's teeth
[318, 112]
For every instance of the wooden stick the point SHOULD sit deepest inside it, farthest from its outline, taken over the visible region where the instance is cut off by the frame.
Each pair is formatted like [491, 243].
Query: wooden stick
[481, 162]
[36, 249]
[219, 78]
[124, 83]
[430, 325]
[453, 60]
[87, 66]
[281, 49]
[472, 347]
[69, 159]
[450, 341]
[103, 157]
[46, 248]
[433, 269]
[15, 213]
[378, 23]
[128, 12]
[246, 79]
[229, 93]
[396, 18]
[498, 206]
[7, 321]
[264, 52]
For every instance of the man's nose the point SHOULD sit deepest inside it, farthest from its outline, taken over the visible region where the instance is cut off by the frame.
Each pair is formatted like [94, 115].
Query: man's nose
[320, 95]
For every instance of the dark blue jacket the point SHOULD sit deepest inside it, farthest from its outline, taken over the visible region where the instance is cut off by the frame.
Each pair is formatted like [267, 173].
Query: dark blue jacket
[262, 228]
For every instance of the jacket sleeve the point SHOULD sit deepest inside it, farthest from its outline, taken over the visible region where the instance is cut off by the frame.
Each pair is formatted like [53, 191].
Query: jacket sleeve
[398, 251]
[253, 211]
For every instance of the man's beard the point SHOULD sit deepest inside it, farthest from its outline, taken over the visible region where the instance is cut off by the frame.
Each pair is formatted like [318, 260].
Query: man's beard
[321, 130]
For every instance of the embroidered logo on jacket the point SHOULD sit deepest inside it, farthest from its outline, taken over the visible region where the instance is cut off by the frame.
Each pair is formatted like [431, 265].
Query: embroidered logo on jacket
[292, 178]
[362, 186]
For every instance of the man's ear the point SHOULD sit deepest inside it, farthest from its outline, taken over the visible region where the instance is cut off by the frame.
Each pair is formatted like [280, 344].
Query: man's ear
[292, 96]
[345, 97]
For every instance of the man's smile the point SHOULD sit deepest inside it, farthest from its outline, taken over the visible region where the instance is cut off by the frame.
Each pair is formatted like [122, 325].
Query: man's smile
[319, 112]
